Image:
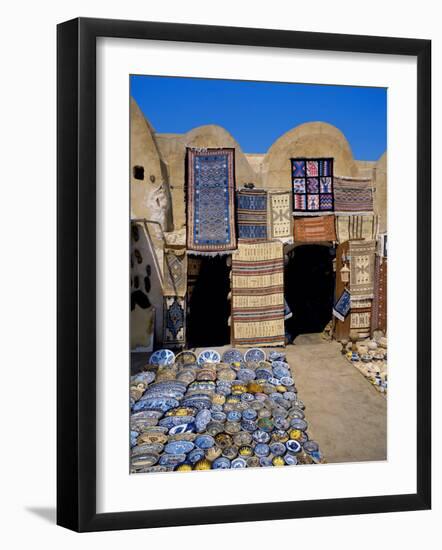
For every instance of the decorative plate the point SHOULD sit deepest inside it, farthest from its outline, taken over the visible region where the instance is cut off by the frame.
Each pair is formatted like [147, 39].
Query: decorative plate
[290, 395]
[255, 354]
[221, 463]
[290, 460]
[233, 416]
[181, 411]
[202, 419]
[246, 375]
[266, 424]
[179, 447]
[249, 425]
[249, 414]
[239, 463]
[208, 356]
[262, 449]
[183, 428]
[219, 416]
[171, 460]
[204, 441]
[277, 449]
[299, 424]
[157, 404]
[242, 438]
[252, 462]
[147, 448]
[195, 455]
[311, 447]
[245, 451]
[263, 374]
[144, 377]
[226, 375]
[185, 358]
[276, 356]
[152, 438]
[287, 381]
[295, 434]
[230, 452]
[232, 356]
[171, 421]
[278, 461]
[214, 428]
[232, 427]
[223, 440]
[261, 437]
[265, 462]
[144, 460]
[247, 397]
[293, 446]
[162, 357]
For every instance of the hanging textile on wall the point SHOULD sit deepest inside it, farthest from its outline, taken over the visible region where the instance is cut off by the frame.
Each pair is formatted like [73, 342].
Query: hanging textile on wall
[364, 226]
[252, 214]
[342, 306]
[360, 322]
[210, 201]
[312, 186]
[320, 228]
[175, 272]
[379, 314]
[280, 216]
[353, 194]
[174, 330]
[258, 294]
[362, 257]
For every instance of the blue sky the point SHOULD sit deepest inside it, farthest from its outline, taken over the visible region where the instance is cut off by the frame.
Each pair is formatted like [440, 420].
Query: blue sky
[257, 113]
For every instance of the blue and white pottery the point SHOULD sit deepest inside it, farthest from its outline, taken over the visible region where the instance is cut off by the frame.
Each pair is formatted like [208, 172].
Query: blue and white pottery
[171, 421]
[239, 463]
[281, 423]
[162, 357]
[179, 447]
[143, 377]
[249, 414]
[133, 438]
[249, 425]
[186, 427]
[290, 460]
[195, 455]
[246, 375]
[262, 449]
[311, 447]
[280, 369]
[234, 416]
[287, 381]
[202, 418]
[204, 441]
[265, 462]
[232, 356]
[261, 436]
[277, 448]
[289, 395]
[298, 424]
[171, 460]
[221, 463]
[263, 374]
[208, 356]
[255, 354]
[293, 446]
[277, 356]
[218, 416]
[247, 397]
[156, 404]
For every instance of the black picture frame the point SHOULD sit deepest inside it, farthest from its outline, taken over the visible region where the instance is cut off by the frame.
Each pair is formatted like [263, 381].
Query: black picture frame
[76, 273]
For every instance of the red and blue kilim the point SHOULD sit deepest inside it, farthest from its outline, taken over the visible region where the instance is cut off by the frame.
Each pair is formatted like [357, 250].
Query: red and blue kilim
[312, 185]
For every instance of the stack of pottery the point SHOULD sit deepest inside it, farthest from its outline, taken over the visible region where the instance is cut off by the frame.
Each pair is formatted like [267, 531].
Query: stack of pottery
[211, 412]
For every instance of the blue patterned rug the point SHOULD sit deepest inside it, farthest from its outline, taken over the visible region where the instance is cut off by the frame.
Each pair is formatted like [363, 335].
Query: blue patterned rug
[342, 306]
[210, 201]
[252, 214]
[174, 334]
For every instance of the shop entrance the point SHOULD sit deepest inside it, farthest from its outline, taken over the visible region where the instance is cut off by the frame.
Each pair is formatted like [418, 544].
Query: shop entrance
[208, 307]
[309, 288]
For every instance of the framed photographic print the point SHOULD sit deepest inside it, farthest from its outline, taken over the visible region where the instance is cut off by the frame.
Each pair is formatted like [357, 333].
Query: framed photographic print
[229, 311]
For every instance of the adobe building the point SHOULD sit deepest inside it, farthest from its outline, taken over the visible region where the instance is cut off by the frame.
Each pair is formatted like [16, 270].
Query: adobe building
[158, 212]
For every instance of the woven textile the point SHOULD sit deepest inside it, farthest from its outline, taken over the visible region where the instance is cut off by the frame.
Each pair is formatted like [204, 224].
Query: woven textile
[258, 294]
[362, 260]
[210, 201]
[320, 228]
[364, 226]
[342, 306]
[353, 194]
[280, 216]
[174, 320]
[360, 322]
[175, 272]
[312, 185]
[252, 214]
[379, 313]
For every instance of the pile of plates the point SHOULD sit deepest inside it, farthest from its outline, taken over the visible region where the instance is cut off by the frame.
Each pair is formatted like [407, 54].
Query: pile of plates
[210, 412]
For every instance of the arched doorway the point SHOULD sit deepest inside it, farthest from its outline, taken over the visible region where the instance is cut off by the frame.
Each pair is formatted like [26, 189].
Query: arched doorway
[309, 287]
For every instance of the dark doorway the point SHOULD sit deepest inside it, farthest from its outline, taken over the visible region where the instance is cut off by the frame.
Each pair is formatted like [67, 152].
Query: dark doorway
[309, 287]
[208, 308]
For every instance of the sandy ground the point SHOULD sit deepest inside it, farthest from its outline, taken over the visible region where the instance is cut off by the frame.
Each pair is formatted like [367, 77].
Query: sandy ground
[346, 415]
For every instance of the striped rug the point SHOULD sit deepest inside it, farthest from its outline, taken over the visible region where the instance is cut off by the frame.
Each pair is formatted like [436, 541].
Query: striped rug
[251, 213]
[321, 228]
[364, 226]
[258, 294]
[353, 194]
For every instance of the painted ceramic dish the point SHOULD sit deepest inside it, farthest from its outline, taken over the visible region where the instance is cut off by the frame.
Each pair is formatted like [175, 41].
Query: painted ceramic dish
[158, 404]
[219, 416]
[249, 414]
[232, 427]
[183, 428]
[181, 411]
[255, 354]
[179, 447]
[239, 463]
[298, 424]
[230, 452]
[214, 428]
[221, 463]
[152, 438]
[263, 374]
[203, 464]
[147, 448]
[242, 438]
[171, 460]
[185, 467]
[265, 462]
[262, 449]
[249, 425]
[295, 434]
[202, 419]
[204, 441]
[280, 369]
[311, 447]
[277, 356]
[287, 381]
[232, 356]
[145, 377]
[266, 424]
[277, 449]
[245, 451]
[171, 421]
[261, 437]
[290, 460]
[186, 358]
[234, 416]
[208, 356]
[226, 375]
[144, 460]
[278, 461]
[246, 375]
[213, 453]
[247, 397]
[252, 462]
[162, 357]
[223, 440]
[196, 455]
[293, 446]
